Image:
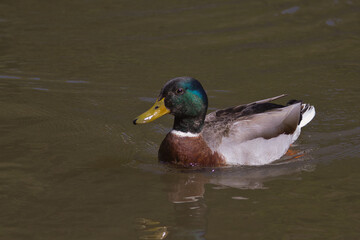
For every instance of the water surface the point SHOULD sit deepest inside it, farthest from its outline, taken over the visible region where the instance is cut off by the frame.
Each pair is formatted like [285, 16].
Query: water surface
[74, 74]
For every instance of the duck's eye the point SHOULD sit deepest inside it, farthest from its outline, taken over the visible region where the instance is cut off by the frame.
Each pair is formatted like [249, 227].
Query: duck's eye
[180, 91]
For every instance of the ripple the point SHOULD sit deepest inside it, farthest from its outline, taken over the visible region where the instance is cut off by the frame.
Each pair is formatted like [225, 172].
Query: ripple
[9, 77]
[333, 21]
[239, 198]
[291, 10]
[41, 89]
[76, 81]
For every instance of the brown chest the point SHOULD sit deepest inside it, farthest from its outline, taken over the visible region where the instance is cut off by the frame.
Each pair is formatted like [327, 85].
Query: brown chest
[188, 152]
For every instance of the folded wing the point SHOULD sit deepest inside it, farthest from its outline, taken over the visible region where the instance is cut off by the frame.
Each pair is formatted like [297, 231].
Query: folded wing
[260, 119]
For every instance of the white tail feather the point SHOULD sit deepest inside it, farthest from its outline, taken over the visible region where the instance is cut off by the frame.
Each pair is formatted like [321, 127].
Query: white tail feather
[307, 113]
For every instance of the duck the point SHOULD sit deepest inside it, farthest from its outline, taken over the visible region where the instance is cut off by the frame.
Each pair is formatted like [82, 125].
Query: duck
[256, 133]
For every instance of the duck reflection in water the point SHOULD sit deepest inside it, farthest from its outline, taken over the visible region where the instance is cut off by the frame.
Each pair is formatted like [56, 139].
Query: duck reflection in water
[186, 190]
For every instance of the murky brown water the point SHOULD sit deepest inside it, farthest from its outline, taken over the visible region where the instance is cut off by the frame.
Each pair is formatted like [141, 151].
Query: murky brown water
[73, 75]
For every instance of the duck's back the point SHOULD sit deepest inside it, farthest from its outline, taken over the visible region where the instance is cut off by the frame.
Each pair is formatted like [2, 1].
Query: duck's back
[255, 133]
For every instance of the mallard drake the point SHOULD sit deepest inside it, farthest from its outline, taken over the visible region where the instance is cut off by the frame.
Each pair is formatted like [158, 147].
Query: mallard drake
[256, 133]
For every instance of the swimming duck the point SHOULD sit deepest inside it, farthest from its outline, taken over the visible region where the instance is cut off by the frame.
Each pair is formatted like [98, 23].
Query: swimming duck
[251, 134]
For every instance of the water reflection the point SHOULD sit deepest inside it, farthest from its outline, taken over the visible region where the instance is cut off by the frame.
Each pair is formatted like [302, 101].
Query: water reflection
[186, 190]
[150, 229]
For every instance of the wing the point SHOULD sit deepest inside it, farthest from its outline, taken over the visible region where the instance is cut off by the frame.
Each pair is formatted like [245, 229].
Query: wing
[260, 119]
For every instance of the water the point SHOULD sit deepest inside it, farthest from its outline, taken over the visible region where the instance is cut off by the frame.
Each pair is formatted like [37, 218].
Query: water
[74, 74]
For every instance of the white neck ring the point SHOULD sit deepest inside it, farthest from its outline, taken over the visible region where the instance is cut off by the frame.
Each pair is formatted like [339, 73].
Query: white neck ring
[184, 134]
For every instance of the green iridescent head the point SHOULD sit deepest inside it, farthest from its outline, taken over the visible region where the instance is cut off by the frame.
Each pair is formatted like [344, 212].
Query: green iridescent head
[183, 97]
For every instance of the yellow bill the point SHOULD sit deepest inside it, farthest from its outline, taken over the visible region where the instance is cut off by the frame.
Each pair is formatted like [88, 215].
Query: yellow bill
[153, 113]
